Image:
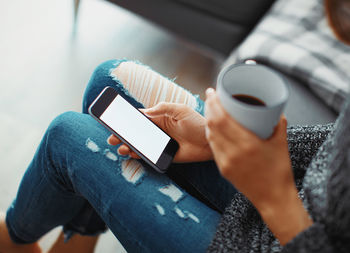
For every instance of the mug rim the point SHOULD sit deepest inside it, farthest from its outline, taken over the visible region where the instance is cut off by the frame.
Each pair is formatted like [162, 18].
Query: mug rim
[246, 105]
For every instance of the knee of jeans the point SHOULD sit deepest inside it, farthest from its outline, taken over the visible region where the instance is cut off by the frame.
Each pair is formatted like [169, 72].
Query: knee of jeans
[58, 142]
[63, 120]
[63, 127]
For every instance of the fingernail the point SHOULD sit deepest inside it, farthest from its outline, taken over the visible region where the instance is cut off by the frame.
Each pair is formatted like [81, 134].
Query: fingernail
[146, 111]
[209, 91]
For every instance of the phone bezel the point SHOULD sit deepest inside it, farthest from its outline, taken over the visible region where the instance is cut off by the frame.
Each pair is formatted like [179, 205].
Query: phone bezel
[101, 103]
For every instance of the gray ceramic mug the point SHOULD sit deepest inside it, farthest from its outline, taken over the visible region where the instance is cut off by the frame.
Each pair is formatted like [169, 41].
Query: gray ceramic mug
[257, 81]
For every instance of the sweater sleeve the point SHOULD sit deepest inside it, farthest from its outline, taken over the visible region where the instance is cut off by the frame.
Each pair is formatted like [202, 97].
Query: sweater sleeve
[303, 142]
[312, 240]
[330, 232]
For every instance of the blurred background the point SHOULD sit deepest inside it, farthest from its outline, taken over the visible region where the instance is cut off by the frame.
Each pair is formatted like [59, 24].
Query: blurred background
[46, 61]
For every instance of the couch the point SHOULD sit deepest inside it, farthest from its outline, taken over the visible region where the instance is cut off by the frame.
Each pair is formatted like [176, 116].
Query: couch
[221, 26]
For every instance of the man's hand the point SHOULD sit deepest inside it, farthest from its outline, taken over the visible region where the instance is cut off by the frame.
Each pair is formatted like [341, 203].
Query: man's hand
[183, 124]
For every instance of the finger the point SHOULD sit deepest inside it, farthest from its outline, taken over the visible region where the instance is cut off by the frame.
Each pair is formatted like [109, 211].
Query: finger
[219, 120]
[113, 140]
[164, 114]
[158, 120]
[164, 109]
[213, 113]
[134, 155]
[208, 109]
[281, 129]
[284, 122]
[214, 108]
[124, 150]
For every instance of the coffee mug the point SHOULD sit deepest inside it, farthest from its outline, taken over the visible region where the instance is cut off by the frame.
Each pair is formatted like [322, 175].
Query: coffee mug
[254, 95]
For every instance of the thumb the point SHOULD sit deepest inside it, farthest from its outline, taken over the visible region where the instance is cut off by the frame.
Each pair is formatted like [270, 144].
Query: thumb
[281, 128]
[161, 109]
[162, 115]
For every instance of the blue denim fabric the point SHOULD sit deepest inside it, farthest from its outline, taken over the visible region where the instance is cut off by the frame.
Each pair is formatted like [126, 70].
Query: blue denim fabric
[69, 184]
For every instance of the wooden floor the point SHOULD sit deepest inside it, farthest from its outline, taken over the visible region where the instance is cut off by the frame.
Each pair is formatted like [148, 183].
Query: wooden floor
[44, 70]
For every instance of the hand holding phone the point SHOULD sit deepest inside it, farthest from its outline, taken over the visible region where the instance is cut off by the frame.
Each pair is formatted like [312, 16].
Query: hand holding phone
[181, 122]
[131, 126]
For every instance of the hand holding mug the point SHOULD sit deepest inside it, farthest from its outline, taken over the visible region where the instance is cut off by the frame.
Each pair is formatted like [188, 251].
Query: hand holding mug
[258, 168]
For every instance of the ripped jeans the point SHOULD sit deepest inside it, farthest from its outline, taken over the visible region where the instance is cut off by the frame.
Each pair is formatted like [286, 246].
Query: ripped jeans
[78, 181]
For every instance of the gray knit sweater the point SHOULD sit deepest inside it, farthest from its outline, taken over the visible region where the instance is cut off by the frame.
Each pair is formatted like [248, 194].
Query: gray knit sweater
[321, 163]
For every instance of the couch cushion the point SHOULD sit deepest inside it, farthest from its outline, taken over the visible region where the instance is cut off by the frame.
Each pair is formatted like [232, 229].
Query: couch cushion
[304, 107]
[238, 11]
[294, 38]
[220, 25]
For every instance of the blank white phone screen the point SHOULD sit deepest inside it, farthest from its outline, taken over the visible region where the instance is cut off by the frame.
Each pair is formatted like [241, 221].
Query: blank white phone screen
[140, 132]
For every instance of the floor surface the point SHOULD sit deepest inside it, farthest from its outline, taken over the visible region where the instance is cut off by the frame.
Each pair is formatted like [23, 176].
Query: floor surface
[44, 70]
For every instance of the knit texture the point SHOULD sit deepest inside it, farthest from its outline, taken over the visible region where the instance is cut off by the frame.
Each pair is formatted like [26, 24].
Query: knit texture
[321, 163]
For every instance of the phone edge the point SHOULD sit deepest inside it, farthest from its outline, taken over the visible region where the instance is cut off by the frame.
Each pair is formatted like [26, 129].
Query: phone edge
[144, 158]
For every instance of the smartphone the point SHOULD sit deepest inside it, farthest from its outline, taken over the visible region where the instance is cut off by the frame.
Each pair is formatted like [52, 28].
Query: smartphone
[133, 128]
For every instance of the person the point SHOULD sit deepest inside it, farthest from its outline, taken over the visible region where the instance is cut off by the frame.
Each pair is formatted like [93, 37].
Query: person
[228, 190]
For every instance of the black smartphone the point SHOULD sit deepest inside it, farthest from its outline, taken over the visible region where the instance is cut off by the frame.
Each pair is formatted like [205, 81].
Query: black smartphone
[133, 128]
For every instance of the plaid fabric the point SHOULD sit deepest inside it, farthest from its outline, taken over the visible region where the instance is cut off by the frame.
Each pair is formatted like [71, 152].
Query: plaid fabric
[294, 38]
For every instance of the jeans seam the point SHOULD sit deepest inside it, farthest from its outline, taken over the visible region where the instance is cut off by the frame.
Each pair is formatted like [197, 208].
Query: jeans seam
[56, 185]
[21, 235]
[12, 230]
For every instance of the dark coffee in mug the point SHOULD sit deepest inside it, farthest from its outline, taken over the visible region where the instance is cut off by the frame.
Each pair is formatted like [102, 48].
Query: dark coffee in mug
[251, 100]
